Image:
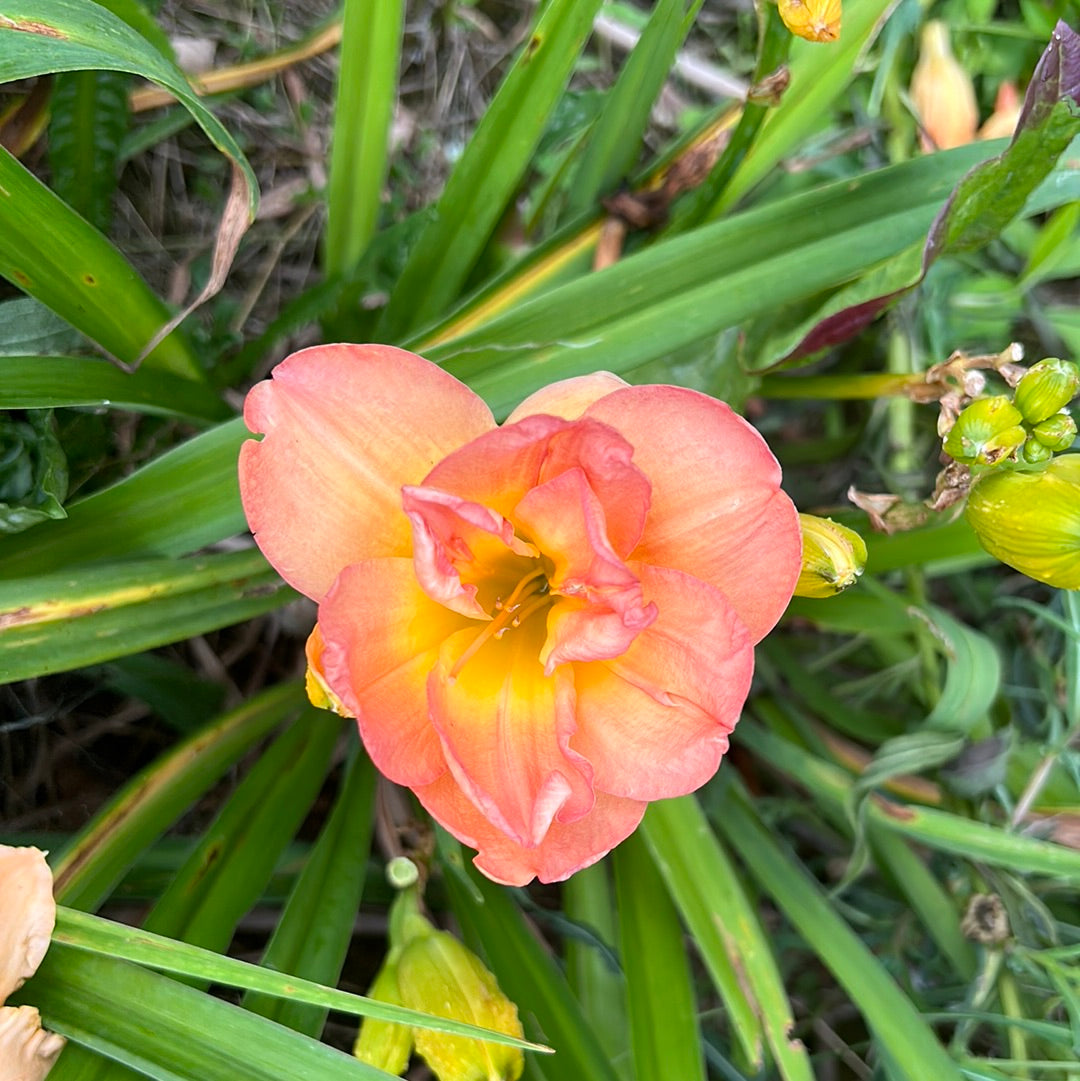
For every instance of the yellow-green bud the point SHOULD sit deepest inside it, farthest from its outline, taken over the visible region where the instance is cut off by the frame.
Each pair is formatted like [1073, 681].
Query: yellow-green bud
[436, 973]
[1031, 521]
[1035, 452]
[384, 1044]
[833, 557]
[1056, 432]
[1046, 388]
[986, 431]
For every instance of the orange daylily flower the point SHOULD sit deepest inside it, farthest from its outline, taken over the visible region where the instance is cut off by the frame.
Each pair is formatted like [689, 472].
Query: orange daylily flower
[539, 627]
[814, 20]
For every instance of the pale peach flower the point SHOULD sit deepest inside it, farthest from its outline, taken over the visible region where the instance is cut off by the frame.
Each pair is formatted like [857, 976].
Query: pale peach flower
[27, 918]
[540, 627]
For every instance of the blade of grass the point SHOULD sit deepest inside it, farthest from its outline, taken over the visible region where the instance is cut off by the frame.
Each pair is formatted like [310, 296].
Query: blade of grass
[485, 178]
[818, 77]
[236, 855]
[727, 932]
[596, 978]
[363, 109]
[91, 865]
[167, 1031]
[614, 143]
[52, 254]
[119, 609]
[86, 934]
[664, 1035]
[896, 1024]
[48, 382]
[679, 292]
[924, 825]
[316, 927]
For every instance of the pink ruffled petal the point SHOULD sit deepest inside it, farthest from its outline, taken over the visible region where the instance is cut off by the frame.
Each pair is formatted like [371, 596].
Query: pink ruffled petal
[381, 638]
[717, 510]
[345, 427]
[578, 631]
[654, 722]
[457, 545]
[566, 848]
[498, 469]
[568, 398]
[505, 730]
[565, 519]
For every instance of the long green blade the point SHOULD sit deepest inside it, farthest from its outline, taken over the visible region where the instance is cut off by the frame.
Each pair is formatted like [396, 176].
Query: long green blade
[485, 178]
[904, 1036]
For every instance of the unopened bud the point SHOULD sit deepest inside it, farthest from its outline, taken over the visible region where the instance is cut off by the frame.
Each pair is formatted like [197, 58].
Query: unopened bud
[1031, 521]
[1034, 452]
[814, 20]
[1056, 432]
[383, 1044]
[1002, 121]
[833, 557]
[942, 92]
[1047, 387]
[436, 973]
[986, 431]
[318, 690]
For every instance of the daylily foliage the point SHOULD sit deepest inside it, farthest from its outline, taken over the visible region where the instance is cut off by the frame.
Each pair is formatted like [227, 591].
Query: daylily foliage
[539, 627]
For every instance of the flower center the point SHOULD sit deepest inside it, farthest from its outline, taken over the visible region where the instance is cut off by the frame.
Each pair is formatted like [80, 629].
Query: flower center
[530, 594]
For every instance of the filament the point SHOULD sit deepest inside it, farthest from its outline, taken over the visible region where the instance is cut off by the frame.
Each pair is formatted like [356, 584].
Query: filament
[529, 595]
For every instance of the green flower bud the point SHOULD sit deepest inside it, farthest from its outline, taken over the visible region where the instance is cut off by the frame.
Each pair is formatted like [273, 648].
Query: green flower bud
[986, 431]
[833, 557]
[1035, 452]
[1046, 388]
[384, 1044]
[436, 973]
[1031, 521]
[1056, 432]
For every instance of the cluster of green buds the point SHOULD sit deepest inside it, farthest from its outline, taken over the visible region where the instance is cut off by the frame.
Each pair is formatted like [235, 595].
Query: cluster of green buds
[430, 970]
[1024, 503]
[1029, 428]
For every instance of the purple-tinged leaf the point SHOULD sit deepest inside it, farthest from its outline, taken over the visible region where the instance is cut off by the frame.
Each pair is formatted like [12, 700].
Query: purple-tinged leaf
[993, 193]
[983, 203]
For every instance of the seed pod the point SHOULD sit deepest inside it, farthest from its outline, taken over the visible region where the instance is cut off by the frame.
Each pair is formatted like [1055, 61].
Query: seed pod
[1031, 521]
[833, 557]
[986, 431]
[1056, 432]
[1047, 387]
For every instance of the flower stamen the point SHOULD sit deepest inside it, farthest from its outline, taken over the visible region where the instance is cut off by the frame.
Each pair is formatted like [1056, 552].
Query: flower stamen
[530, 594]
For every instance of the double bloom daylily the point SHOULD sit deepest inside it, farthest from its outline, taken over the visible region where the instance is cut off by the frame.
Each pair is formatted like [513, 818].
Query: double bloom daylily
[539, 627]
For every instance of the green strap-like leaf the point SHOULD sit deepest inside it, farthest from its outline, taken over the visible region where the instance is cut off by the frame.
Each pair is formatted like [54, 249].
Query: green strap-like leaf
[315, 930]
[726, 928]
[56, 622]
[485, 178]
[28, 382]
[664, 1034]
[894, 1021]
[167, 1031]
[363, 110]
[91, 865]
